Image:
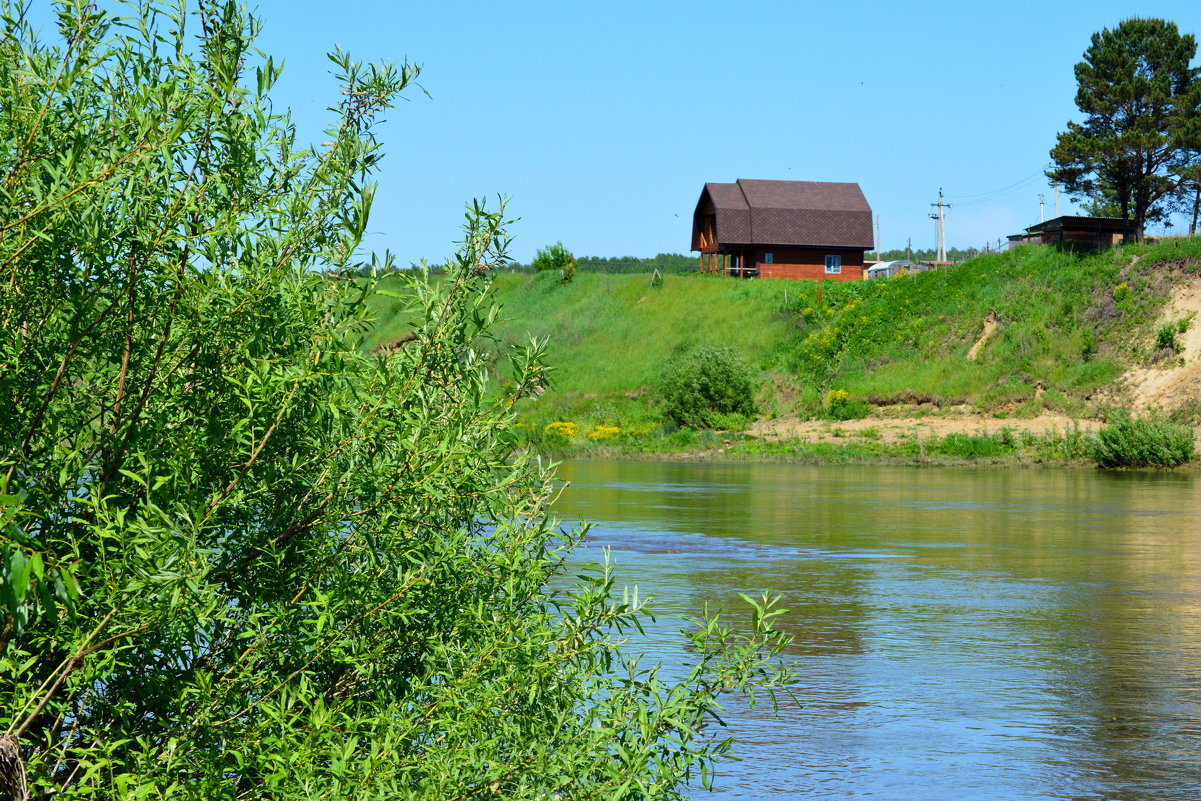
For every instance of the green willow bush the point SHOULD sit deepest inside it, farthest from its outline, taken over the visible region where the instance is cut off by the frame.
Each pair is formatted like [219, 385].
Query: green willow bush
[706, 386]
[241, 557]
[1148, 441]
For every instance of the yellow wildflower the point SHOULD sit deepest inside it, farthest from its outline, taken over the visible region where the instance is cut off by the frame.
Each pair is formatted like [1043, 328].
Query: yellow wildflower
[602, 431]
[565, 428]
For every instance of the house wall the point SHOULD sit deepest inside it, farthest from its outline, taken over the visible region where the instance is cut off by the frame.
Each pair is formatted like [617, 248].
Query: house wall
[809, 263]
[1105, 239]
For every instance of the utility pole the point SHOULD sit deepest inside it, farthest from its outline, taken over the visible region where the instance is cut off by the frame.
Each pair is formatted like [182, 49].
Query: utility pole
[909, 249]
[1056, 199]
[942, 243]
[1042, 205]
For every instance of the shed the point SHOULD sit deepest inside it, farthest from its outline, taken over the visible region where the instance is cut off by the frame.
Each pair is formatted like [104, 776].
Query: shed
[887, 269]
[783, 229]
[1101, 232]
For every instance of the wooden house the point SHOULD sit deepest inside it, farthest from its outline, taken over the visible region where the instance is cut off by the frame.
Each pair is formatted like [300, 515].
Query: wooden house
[783, 229]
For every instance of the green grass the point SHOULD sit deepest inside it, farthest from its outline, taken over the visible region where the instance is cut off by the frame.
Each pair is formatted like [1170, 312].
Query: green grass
[1069, 324]
[613, 333]
[1061, 327]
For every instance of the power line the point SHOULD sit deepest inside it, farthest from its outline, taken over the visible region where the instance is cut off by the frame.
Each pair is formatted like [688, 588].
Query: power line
[993, 194]
[1013, 185]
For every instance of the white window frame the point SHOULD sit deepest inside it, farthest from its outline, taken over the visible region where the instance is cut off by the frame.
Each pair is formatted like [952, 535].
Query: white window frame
[833, 265]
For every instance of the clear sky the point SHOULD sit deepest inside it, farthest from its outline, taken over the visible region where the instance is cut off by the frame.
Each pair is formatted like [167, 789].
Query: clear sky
[602, 121]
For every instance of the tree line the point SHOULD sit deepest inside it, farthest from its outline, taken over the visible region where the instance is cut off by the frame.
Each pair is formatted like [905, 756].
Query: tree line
[927, 254]
[663, 262]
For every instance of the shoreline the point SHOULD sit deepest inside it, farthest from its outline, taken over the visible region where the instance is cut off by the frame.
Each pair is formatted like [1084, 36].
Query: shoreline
[1047, 441]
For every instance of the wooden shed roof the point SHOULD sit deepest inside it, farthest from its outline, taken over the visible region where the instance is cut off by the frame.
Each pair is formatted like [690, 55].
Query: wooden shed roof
[788, 213]
[1071, 223]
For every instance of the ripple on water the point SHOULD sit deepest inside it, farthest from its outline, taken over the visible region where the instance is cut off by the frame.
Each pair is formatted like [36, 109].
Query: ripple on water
[959, 634]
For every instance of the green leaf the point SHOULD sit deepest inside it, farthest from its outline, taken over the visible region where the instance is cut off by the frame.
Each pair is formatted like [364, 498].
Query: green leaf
[19, 566]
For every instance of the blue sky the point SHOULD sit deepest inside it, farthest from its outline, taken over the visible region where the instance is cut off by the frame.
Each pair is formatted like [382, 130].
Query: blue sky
[602, 121]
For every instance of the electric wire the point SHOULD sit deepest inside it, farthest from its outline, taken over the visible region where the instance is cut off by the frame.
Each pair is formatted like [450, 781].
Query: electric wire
[994, 194]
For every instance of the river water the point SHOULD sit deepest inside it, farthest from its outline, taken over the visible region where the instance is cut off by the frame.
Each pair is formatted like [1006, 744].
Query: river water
[960, 634]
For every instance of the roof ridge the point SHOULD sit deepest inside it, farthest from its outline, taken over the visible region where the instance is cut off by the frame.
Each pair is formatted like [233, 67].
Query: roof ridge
[750, 210]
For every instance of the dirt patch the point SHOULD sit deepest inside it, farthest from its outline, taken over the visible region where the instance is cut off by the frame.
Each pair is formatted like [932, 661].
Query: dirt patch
[1177, 381]
[990, 327]
[891, 430]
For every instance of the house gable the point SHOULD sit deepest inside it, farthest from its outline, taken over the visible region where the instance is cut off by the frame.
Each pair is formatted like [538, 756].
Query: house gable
[782, 214]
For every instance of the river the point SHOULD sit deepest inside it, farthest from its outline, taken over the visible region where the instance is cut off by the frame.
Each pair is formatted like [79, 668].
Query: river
[960, 633]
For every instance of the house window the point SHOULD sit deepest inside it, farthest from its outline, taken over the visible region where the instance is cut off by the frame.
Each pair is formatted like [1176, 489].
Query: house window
[767, 258]
[833, 264]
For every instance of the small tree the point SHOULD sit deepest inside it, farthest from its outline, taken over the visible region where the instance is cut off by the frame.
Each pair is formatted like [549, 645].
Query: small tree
[699, 387]
[555, 257]
[1141, 99]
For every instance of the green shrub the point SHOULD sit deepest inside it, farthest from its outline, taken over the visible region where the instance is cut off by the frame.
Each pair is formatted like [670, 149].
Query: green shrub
[698, 386]
[241, 556]
[1166, 339]
[840, 406]
[1070, 444]
[1149, 441]
[977, 446]
[723, 421]
[555, 257]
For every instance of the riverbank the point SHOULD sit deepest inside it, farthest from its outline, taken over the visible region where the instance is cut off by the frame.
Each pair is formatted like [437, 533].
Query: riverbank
[1011, 358]
[948, 440]
[1047, 440]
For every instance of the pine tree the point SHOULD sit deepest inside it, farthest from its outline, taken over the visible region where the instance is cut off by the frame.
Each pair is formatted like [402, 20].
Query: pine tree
[1142, 104]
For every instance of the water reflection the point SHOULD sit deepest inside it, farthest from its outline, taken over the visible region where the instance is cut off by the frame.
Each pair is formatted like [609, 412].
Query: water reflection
[962, 634]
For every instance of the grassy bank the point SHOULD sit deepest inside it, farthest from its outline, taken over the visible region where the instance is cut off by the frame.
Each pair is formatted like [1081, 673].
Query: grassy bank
[1066, 325]
[1069, 445]
[610, 335]
[1062, 326]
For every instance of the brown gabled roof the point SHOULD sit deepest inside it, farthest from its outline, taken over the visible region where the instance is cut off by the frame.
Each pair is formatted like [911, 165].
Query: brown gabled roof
[787, 213]
[733, 213]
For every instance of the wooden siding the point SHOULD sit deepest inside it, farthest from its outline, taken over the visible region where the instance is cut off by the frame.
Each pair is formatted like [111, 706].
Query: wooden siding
[1104, 239]
[707, 235]
[810, 263]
